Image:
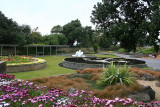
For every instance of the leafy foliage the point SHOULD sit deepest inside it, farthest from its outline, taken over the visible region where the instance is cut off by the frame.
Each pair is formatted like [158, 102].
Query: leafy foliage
[113, 75]
[12, 33]
[146, 51]
[57, 29]
[75, 32]
[55, 39]
[95, 48]
[128, 21]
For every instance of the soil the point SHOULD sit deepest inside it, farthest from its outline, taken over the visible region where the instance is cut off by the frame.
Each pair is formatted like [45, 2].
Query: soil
[158, 57]
[152, 84]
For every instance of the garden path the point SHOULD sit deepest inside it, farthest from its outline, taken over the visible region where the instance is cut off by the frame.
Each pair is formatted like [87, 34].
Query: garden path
[154, 63]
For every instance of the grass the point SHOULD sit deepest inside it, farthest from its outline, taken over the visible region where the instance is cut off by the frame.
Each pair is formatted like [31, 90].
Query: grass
[148, 68]
[109, 55]
[51, 69]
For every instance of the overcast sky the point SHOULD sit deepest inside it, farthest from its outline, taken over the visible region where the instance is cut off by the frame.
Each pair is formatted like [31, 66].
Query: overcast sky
[47, 13]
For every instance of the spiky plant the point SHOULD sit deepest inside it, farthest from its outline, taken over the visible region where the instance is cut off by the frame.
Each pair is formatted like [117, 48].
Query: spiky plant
[114, 74]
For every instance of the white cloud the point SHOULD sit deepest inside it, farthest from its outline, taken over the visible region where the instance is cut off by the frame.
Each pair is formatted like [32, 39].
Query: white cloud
[47, 13]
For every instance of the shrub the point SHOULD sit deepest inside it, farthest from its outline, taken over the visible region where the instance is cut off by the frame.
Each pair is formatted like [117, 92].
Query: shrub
[121, 50]
[95, 48]
[113, 75]
[146, 51]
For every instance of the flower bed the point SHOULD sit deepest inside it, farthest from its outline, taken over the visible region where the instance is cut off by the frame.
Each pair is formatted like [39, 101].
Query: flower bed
[17, 59]
[25, 93]
[23, 63]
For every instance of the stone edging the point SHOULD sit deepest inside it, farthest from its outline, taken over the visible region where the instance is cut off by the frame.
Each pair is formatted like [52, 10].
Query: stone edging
[2, 67]
[81, 66]
[25, 67]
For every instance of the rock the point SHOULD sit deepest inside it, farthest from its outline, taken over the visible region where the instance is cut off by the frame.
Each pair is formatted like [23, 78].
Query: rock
[136, 76]
[71, 91]
[2, 67]
[158, 84]
[146, 95]
[142, 97]
[148, 77]
[150, 92]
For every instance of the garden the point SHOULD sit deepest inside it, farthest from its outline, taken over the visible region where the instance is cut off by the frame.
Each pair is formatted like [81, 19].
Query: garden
[114, 86]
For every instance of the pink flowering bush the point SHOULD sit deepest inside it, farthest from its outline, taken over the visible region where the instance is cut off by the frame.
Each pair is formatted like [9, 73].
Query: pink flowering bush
[27, 94]
[6, 77]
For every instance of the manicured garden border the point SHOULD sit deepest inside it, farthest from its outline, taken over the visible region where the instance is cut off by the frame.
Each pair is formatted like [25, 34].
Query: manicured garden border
[81, 66]
[13, 68]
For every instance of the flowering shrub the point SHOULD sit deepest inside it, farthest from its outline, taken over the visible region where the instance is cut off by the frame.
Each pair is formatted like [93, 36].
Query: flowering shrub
[27, 94]
[6, 77]
[17, 59]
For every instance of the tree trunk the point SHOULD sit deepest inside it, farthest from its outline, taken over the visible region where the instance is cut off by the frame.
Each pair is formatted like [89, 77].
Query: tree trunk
[156, 47]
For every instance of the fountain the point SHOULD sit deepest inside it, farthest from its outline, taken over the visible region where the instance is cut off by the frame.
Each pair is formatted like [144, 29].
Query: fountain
[99, 62]
[78, 54]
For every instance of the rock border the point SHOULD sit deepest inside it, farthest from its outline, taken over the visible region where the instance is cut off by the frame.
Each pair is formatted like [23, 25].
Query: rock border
[26, 67]
[81, 66]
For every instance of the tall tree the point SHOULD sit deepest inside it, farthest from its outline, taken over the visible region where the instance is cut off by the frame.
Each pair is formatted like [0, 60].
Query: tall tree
[12, 33]
[122, 20]
[54, 39]
[87, 39]
[73, 32]
[153, 23]
[57, 29]
[37, 37]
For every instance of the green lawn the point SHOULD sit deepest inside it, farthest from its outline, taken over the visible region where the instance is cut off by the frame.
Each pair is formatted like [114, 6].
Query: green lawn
[52, 69]
[109, 55]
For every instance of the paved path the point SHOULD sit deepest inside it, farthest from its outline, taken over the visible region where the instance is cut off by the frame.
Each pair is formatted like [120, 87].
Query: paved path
[154, 63]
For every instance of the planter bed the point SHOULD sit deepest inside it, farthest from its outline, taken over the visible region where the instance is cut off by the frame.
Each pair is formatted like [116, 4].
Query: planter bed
[12, 68]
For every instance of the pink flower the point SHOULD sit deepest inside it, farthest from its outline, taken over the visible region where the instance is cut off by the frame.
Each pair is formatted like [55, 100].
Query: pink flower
[110, 105]
[50, 99]
[108, 102]
[40, 105]
[116, 98]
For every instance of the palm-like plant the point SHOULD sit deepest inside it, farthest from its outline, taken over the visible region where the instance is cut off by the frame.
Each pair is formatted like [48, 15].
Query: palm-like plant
[114, 75]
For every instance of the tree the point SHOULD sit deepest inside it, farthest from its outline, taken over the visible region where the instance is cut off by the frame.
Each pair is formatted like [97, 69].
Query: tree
[105, 42]
[122, 20]
[153, 24]
[24, 36]
[12, 33]
[73, 32]
[87, 39]
[37, 37]
[57, 29]
[62, 40]
[55, 39]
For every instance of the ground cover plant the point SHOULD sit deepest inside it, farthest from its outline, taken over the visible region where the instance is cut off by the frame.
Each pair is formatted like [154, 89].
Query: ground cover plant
[24, 93]
[141, 72]
[87, 78]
